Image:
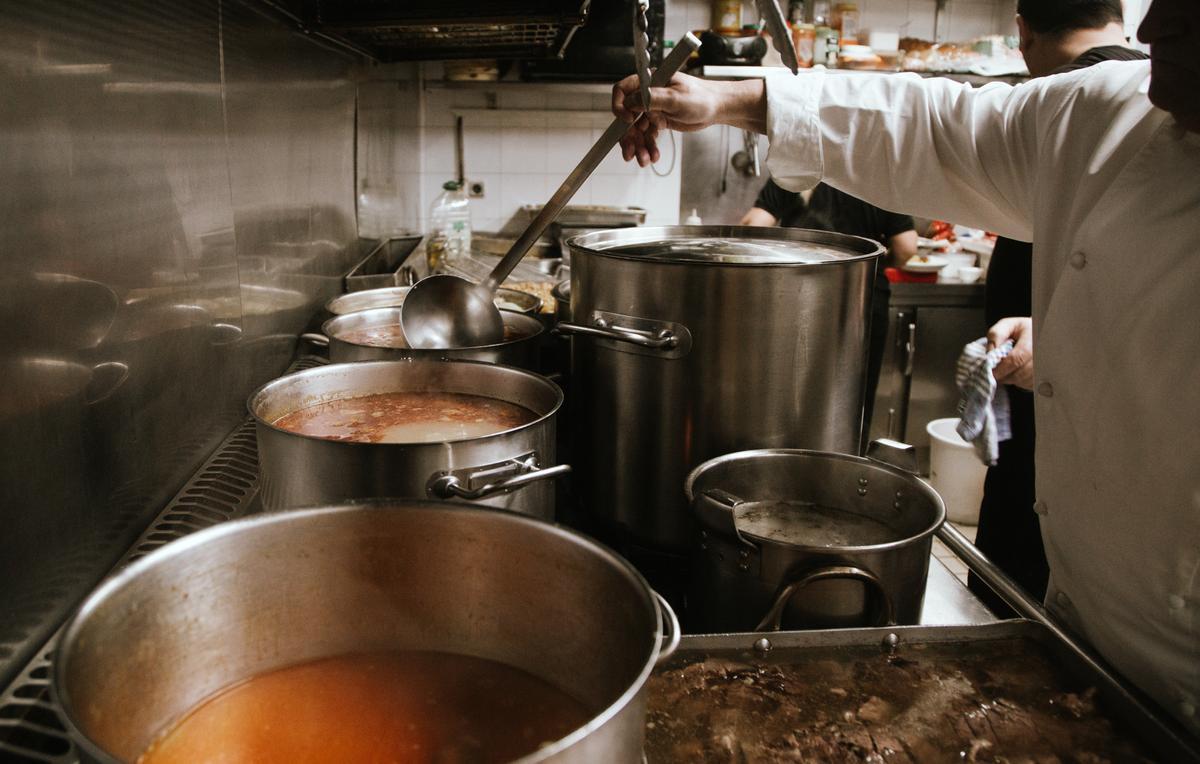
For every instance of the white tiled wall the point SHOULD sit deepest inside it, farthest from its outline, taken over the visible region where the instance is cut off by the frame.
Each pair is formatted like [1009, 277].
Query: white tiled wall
[524, 148]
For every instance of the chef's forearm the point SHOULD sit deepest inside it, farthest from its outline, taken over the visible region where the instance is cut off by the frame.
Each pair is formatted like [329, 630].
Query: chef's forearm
[743, 104]
[935, 148]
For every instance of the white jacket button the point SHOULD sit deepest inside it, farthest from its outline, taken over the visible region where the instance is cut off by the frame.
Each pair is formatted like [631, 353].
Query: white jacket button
[1046, 390]
[1175, 602]
[1078, 260]
[1040, 507]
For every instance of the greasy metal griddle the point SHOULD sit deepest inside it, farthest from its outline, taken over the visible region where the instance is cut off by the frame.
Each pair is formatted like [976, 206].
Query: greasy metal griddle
[1004, 691]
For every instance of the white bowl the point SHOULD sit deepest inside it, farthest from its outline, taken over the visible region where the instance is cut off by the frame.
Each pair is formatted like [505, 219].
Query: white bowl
[969, 274]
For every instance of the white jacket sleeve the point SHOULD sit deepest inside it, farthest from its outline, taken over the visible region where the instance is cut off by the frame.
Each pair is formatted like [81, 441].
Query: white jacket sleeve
[931, 147]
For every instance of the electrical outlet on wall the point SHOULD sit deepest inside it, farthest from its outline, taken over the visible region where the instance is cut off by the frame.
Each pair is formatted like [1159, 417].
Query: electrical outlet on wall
[475, 189]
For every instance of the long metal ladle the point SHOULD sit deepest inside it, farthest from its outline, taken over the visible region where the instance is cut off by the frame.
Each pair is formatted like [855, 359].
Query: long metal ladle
[445, 311]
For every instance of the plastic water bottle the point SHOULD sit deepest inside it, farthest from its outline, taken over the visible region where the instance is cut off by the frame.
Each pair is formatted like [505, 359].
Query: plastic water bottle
[450, 226]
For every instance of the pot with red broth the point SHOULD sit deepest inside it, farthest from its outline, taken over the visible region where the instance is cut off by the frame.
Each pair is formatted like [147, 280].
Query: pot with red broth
[414, 429]
[376, 335]
[405, 706]
[406, 418]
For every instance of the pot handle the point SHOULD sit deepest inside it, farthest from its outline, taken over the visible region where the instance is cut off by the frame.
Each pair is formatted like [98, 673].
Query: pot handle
[225, 333]
[449, 486]
[664, 339]
[672, 634]
[894, 454]
[716, 510]
[320, 340]
[773, 620]
[107, 378]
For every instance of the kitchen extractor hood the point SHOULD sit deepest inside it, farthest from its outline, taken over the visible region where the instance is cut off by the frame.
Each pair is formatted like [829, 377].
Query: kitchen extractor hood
[423, 30]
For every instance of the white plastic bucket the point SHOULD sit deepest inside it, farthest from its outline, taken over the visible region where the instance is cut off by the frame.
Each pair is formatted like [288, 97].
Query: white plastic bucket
[955, 472]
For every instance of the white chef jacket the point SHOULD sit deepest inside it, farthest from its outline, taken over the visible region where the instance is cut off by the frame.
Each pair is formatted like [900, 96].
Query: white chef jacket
[1108, 189]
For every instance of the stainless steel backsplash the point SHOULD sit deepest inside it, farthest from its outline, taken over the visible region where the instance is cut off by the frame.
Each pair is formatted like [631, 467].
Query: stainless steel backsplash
[176, 201]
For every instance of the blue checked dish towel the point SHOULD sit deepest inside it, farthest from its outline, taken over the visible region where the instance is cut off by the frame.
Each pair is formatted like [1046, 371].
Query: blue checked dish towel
[983, 405]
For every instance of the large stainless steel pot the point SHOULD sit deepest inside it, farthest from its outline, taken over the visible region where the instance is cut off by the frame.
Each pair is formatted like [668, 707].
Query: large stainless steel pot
[255, 595]
[509, 469]
[521, 350]
[695, 341]
[758, 565]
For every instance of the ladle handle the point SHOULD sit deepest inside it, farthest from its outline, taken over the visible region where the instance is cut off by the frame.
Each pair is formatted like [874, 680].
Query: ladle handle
[662, 75]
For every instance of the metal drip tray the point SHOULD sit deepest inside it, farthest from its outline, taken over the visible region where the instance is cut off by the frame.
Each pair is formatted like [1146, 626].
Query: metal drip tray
[224, 488]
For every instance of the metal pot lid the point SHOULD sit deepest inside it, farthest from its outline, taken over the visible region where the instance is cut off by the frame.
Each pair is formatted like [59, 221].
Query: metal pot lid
[729, 245]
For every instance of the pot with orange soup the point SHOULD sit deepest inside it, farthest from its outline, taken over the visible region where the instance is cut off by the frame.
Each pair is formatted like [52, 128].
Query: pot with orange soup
[386, 631]
[450, 430]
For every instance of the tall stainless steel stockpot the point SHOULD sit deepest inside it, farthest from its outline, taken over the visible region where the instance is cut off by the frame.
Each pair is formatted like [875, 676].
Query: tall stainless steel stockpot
[695, 341]
[509, 469]
[253, 595]
[521, 350]
[791, 538]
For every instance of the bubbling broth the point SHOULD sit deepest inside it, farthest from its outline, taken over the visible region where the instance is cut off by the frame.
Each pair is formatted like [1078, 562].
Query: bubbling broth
[406, 418]
[405, 706]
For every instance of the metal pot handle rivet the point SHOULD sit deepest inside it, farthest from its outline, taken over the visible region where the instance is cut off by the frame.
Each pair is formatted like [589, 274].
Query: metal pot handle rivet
[773, 620]
[673, 634]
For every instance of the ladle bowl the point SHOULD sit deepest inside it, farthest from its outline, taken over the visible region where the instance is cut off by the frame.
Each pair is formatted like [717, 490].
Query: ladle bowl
[444, 311]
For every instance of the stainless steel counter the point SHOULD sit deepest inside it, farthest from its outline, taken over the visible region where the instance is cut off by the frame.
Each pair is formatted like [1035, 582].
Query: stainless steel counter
[948, 602]
[911, 294]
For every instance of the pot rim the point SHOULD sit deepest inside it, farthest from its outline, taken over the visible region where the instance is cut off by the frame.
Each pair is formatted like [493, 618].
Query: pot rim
[514, 295]
[537, 327]
[182, 546]
[406, 363]
[586, 243]
[916, 480]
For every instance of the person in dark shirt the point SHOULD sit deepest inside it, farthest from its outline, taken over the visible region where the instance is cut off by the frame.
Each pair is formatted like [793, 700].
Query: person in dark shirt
[1056, 36]
[831, 210]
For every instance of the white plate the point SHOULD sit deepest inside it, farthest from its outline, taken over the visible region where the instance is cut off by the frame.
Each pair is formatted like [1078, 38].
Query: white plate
[928, 264]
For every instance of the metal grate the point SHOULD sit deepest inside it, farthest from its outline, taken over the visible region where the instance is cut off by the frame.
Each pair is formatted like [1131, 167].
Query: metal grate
[224, 488]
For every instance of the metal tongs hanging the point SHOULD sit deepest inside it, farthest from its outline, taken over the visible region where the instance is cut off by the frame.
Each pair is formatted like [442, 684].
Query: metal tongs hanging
[781, 36]
[641, 50]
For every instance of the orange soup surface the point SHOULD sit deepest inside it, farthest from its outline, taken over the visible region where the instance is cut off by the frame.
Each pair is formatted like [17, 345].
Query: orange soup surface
[407, 706]
[406, 418]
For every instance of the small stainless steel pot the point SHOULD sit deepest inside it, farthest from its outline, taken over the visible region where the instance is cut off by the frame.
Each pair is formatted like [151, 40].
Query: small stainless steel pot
[393, 297]
[509, 469]
[742, 582]
[254, 595]
[521, 350]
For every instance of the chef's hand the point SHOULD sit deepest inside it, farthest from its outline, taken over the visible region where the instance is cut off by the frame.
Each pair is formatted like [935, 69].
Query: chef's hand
[686, 105]
[1017, 367]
